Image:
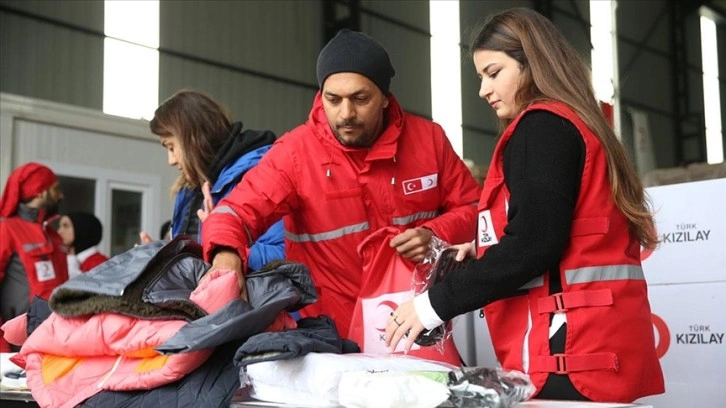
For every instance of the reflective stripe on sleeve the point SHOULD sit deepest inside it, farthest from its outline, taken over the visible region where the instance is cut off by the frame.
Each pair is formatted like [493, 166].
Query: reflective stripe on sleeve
[424, 215]
[324, 236]
[224, 209]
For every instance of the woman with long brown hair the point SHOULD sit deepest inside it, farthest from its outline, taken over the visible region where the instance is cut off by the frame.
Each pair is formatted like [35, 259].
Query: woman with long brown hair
[562, 218]
[212, 154]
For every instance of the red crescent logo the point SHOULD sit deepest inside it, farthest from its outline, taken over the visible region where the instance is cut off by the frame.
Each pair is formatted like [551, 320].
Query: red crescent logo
[664, 336]
[486, 224]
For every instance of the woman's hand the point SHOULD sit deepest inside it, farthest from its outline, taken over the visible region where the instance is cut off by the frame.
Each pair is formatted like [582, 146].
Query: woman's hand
[403, 324]
[464, 250]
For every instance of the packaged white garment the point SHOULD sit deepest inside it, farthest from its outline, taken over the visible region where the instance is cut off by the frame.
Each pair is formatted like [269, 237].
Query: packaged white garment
[365, 389]
[6, 365]
[12, 377]
[312, 380]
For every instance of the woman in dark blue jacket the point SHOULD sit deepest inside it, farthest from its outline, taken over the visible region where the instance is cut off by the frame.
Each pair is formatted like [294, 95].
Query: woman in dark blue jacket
[207, 148]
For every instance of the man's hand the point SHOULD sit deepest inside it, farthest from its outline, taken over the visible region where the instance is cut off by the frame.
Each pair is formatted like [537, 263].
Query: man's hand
[207, 203]
[228, 259]
[413, 243]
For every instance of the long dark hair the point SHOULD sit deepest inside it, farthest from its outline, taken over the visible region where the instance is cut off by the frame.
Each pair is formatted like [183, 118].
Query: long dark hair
[552, 70]
[202, 126]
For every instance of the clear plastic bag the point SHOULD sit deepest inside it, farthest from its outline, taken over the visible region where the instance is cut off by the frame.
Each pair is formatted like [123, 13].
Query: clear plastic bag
[437, 263]
[475, 386]
[488, 388]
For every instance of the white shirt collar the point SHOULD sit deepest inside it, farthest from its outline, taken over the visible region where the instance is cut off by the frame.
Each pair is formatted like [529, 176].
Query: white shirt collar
[86, 253]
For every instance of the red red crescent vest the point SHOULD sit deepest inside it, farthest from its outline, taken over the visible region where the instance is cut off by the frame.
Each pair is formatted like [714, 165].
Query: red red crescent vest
[610, 347]
[38, 248]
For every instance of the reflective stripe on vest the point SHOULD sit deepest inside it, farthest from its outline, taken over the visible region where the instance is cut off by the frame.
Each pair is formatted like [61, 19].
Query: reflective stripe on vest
[604, 273]
[324, 236]
[424, 215]
[594, 274]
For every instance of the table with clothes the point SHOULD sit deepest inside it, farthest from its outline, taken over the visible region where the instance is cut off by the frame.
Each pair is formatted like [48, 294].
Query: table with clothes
[145, 326]
[144, 329]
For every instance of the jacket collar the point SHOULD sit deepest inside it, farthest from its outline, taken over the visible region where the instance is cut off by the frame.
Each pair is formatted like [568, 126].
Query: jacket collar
[27, 213]
[86, 253]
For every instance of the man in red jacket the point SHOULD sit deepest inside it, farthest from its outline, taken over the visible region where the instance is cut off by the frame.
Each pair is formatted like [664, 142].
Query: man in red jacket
[360, 163]
[32, 260]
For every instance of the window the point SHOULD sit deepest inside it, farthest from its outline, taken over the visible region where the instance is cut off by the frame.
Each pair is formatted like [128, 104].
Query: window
[446, 70]
[711, 89]
[126, 219]
[131, 58]
[79, 194]
[604, 56]
[123, 201]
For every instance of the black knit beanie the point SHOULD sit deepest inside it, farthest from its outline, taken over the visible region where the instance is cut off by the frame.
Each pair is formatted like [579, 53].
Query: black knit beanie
[87, 230]
[352, 51]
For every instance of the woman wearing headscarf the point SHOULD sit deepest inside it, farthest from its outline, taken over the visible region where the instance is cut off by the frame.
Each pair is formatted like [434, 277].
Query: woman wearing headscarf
[81, 232]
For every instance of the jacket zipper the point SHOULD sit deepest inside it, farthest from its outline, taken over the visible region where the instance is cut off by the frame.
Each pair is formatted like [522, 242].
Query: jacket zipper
[113, 369]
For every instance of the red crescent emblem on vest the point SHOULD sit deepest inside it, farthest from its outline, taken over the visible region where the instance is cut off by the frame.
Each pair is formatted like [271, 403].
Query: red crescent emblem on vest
[390, 305]
[664, 335]
[485, 223]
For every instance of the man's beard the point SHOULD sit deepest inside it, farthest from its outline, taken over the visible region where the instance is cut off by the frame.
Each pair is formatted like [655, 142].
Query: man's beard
[52, 209]
[363, 140]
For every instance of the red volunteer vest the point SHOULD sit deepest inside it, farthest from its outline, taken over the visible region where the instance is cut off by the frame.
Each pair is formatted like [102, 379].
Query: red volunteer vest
[39, 250]
[610, 347]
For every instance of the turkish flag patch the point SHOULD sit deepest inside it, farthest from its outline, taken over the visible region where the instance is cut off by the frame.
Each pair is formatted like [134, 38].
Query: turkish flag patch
[420, 184]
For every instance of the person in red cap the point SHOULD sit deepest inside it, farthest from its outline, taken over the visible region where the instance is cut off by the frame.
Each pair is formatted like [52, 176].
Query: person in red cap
[32, 258]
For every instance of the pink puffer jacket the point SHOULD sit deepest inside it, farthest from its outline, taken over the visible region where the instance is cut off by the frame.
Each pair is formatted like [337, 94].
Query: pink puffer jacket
[68, 360]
